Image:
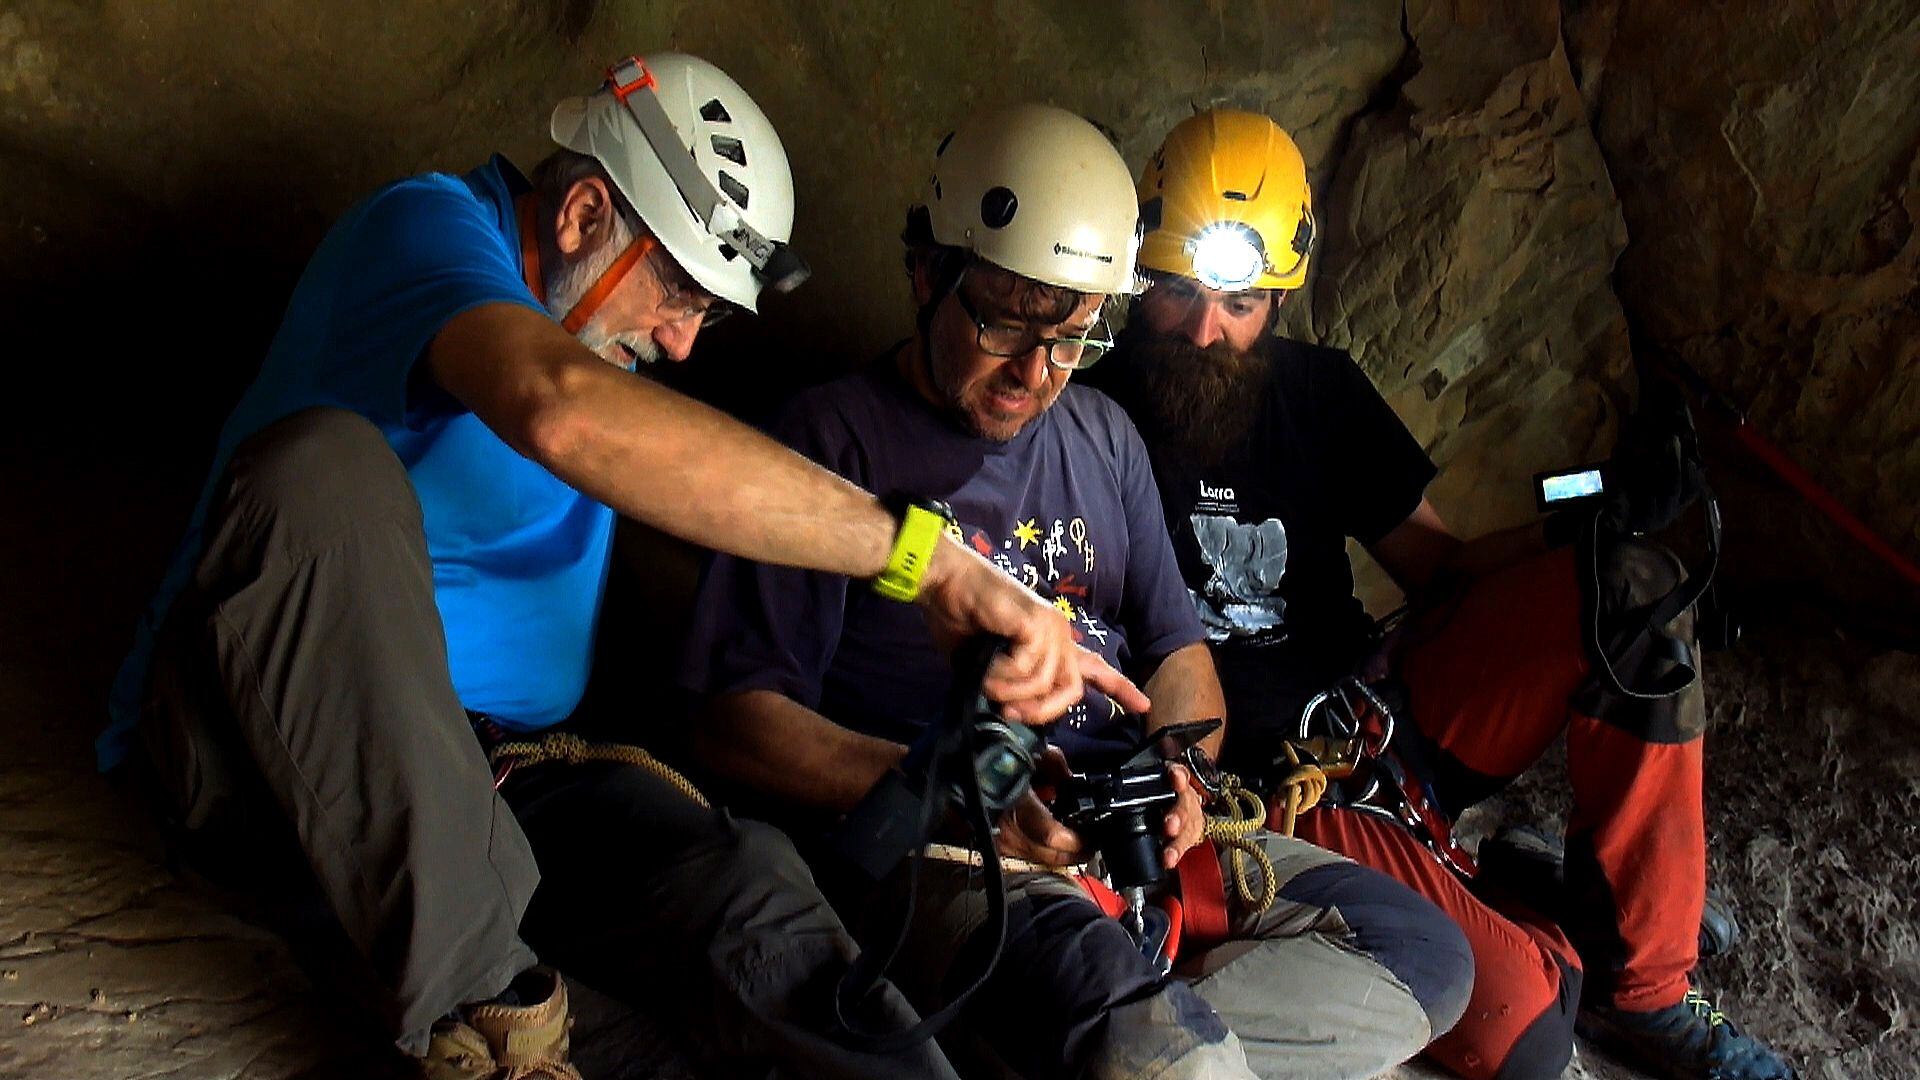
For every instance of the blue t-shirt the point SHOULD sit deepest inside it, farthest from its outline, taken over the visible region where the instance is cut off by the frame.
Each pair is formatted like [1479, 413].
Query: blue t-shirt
[519, 558]
[1068, 507]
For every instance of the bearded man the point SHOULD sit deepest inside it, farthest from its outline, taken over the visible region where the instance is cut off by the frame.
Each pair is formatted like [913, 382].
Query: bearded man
[1270, 455]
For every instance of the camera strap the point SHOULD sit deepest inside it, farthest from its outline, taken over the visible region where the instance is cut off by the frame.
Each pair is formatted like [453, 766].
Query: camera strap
[946, 762]
[873, 964]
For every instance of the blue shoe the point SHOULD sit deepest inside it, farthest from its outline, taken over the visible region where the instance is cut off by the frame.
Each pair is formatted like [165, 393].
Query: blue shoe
[1689, 1041]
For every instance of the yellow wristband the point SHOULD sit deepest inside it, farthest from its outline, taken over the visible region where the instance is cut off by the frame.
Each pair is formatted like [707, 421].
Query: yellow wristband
[912, 553]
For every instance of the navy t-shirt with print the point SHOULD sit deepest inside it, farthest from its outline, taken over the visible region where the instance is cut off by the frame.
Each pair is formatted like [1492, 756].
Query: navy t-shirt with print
[1261, 537]
[1067, 507]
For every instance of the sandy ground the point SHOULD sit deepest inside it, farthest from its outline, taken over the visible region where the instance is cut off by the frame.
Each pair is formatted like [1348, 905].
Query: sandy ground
[111, 965]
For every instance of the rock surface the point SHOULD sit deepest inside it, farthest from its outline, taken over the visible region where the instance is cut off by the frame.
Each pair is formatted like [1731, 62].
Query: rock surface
[1481, 168]
[1766, 163]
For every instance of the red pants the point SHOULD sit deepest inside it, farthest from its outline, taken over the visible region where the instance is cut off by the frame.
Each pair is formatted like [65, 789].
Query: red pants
[1492, 679]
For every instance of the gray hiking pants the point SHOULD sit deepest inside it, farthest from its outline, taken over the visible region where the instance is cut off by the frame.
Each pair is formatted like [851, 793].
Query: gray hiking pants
[305, 667]
[1348, 974]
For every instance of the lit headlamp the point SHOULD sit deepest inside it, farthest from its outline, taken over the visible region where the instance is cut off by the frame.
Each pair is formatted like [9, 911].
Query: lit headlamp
[1227, 256]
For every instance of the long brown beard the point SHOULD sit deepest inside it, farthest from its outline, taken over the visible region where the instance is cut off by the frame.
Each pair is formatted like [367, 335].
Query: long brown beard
[1200, 401]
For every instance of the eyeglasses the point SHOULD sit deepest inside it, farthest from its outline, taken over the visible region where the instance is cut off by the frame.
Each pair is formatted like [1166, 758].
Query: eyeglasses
[682, 298]
[702, 309]
[1063, 353]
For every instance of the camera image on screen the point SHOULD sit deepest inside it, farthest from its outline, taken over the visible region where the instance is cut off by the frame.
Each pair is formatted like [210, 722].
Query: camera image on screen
[1567, 487]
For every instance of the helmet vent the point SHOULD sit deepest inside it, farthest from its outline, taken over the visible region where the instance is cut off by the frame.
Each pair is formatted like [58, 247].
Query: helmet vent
[715, 113]
[942, 148]
[1236, 196]
[997, 207]
[730, 148]
[733, 189]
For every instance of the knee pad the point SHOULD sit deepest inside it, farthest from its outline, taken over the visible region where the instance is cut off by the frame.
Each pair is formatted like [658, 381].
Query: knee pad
[1653, 692]
[1635, 573]
[1401, 930]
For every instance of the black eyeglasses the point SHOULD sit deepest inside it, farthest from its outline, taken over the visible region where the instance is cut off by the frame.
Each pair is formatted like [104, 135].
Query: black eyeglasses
[1063, 353]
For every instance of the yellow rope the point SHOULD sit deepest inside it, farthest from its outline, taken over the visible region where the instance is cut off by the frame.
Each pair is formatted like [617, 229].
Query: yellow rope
[572, 749]
[1300, 791]
[1246, 814]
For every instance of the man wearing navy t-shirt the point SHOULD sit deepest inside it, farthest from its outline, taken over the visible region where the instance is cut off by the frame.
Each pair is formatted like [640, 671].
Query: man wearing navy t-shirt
[816, 687]
[402, 549]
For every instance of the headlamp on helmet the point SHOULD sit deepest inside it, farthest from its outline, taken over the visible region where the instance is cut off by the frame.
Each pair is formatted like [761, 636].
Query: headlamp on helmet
[1226, 202]
[1227, 256]
[775, 263]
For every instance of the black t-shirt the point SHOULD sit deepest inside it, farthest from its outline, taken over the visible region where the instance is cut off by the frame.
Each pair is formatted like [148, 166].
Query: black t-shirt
[1261, 537]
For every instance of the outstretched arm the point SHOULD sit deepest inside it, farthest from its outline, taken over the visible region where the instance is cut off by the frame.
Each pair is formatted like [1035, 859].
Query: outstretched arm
[692, 471]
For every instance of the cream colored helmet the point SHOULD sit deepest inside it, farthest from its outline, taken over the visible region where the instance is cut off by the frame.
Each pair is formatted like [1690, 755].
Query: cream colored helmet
[1038, 191]
[724, 210]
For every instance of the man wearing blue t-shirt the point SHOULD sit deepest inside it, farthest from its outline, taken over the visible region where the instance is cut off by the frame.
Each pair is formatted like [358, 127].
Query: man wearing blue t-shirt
[816, 689]
[403, 542]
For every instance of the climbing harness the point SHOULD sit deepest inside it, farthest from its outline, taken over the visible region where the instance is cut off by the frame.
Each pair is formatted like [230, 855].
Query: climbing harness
[1198, 913]
[1350, 731]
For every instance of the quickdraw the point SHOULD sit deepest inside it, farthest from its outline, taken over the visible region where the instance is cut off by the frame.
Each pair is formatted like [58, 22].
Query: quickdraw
[1350, 731]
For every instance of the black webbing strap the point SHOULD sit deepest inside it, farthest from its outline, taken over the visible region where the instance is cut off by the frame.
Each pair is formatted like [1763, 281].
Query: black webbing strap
[951, 764]
[1636, 640]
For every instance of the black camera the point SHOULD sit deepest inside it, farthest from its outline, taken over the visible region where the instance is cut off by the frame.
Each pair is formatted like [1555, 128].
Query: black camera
[1120, 812]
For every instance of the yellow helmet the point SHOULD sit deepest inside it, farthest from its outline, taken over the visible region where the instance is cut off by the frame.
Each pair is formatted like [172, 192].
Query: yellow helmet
[1225, 202]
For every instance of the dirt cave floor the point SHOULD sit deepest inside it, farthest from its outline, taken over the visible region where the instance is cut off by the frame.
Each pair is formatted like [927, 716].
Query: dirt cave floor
[113, 966]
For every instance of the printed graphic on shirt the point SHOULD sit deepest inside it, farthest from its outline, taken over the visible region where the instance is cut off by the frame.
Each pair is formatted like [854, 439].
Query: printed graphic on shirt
[1059, 567]
[1219, 500]
[1245, 562]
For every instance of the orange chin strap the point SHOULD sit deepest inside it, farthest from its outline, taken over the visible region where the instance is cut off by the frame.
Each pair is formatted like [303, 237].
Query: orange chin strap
[526, 208]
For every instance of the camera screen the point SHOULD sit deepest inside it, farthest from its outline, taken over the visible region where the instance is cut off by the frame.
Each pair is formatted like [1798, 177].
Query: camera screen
[1566, 486]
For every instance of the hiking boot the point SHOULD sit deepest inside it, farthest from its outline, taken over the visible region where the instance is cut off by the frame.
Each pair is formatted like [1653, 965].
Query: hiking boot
[1719, 930]
[1529, 865]
[504, 1040]
[1688, 1041]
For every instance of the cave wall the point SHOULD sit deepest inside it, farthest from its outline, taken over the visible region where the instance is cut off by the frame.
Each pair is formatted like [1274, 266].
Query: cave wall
[1481, 167]
[1767, 162]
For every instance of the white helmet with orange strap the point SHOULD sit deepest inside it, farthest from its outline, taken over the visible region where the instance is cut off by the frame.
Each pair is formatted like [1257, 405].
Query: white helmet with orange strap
[701, 165]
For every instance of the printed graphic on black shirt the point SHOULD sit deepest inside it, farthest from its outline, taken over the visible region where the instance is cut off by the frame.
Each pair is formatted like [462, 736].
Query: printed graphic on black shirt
[1241, 597]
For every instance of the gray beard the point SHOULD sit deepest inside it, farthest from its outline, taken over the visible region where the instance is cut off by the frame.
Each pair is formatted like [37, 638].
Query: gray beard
[1202, 402]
